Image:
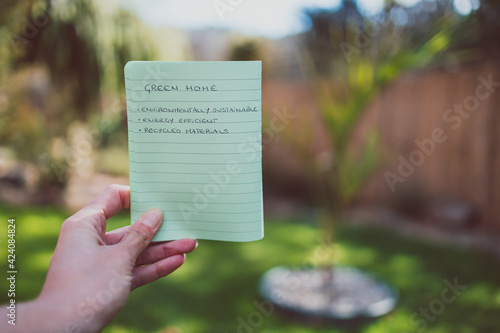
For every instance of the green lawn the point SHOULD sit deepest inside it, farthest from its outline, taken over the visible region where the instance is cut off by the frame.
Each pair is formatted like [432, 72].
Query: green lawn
[217, 284]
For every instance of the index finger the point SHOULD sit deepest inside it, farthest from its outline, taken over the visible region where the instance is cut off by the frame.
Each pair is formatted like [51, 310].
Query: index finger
[105, 205]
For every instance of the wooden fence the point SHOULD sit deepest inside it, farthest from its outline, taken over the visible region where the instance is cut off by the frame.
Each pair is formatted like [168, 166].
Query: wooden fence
[442, 126]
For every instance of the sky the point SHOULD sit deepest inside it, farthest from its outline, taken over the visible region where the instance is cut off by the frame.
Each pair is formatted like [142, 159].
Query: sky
[269, 18]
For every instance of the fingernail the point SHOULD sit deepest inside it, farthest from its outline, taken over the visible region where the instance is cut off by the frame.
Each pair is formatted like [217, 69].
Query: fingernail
[184, 256]
[152, 218]
[196, 245]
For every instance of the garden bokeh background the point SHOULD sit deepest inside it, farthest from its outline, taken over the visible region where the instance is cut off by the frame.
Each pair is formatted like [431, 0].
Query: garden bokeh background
[385, 156]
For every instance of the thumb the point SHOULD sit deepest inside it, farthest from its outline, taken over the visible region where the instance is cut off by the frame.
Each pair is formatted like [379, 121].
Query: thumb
[140, 234]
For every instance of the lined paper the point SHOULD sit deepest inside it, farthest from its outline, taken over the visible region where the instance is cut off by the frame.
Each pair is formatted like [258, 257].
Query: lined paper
[195, 147]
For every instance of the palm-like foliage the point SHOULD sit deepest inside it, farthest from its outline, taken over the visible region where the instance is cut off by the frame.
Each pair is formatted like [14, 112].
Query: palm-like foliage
[337, 175]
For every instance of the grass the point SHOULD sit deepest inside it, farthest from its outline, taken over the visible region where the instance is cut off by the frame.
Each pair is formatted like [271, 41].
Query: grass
[216, 288]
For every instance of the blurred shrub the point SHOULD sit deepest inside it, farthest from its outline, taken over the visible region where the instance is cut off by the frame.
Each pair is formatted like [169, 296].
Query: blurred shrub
[62, 64]
[113, 161]
[245, 50]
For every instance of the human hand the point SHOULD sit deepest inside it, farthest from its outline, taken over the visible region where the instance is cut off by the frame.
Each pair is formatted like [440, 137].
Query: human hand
[92, 272]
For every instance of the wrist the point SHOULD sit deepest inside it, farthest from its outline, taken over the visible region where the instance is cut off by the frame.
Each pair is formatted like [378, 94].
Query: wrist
[41, 315]
[52, 315]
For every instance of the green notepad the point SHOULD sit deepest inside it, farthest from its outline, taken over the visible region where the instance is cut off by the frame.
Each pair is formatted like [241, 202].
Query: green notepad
[195, 151]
